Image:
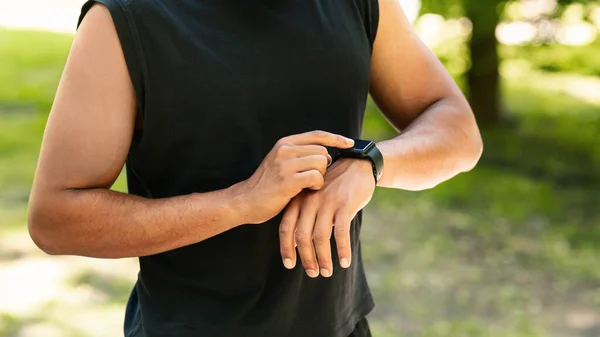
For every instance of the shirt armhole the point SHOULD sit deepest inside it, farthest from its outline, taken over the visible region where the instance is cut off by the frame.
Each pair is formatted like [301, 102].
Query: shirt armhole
[373, 12]
[129, 44]
[369, 14]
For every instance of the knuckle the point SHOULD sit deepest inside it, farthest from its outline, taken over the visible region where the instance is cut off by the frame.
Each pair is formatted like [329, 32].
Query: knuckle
[283, 150]
[312, 178]
[323, 162]
[323, 151]
[341, 234]
[284, 140]
[340, 199]
[285, 229]
[319, 134]
[320, 237]
[309, 262]
[340, 230]
[302, 237]
[330, 198]
[320, 181]
[314, 174]
[317, 177]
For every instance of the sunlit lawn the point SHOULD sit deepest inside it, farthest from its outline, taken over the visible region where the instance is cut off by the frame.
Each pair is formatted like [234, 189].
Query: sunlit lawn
[506, 250]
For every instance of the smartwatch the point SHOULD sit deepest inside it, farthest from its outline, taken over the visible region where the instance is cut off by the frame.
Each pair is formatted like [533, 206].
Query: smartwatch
[365, 149]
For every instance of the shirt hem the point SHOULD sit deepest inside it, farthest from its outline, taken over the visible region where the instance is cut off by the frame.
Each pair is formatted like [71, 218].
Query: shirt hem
[367, 304]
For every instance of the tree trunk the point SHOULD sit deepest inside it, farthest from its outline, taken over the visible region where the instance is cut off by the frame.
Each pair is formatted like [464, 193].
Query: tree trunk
[483, 77]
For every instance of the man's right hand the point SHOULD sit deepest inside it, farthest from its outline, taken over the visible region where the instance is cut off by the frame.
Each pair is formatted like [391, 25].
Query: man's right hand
[72, 210]
[296, 162]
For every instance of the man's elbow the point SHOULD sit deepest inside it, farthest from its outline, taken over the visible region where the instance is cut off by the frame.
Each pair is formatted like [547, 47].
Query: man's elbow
[472, 152]
[43, 230]
[471, 144]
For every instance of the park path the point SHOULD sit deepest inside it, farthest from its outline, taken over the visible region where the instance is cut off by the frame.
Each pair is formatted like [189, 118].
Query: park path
[60, 296]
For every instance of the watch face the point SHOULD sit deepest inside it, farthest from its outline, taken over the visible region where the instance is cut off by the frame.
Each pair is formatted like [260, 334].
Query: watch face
[361, 145]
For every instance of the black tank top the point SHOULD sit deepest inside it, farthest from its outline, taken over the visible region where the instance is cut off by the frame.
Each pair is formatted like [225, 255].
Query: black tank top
[218, 82]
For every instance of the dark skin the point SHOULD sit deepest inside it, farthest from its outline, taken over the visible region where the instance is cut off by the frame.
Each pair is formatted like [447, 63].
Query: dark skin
[438, 139]
[72, 210]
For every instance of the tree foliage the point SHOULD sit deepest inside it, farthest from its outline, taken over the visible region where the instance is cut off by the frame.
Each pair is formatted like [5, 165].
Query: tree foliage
[457, 8]
[483, 78]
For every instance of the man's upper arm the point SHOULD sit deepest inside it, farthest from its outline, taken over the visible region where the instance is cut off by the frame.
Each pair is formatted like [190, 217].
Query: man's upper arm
[90, 127]
[406, 77]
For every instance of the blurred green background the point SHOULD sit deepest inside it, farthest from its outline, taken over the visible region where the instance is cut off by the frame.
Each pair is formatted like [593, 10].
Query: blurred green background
[509, 249]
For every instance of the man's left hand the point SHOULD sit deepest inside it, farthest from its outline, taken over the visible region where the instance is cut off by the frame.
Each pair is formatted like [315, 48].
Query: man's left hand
[312, 216]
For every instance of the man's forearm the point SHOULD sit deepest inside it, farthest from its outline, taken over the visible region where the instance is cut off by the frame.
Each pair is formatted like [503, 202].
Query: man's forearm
[443, 142]
[107, 224]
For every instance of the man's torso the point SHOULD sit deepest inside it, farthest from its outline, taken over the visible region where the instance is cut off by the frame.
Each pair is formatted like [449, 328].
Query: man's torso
[218, 83]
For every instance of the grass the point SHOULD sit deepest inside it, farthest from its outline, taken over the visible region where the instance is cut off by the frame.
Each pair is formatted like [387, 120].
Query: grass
[32, 61]
[509, 249]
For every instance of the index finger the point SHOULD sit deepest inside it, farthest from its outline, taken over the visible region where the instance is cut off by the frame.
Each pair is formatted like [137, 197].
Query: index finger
[319, 137]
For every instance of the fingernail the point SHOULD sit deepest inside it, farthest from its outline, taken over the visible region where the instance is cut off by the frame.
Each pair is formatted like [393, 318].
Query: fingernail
[329, 160]
[311, 273]
[325, 272]
[350, 141]
[344, 263]
[288, 263]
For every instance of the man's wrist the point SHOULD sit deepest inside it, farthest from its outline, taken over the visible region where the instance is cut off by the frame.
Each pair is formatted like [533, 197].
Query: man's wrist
[365, 149]
[362, 165]
[236, 203]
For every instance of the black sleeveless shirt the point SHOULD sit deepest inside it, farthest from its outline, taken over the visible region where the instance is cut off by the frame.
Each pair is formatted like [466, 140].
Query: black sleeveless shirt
[218, 82]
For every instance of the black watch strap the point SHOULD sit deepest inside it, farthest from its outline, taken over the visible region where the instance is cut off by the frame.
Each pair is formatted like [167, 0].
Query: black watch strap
[370, 152]
[377, 162]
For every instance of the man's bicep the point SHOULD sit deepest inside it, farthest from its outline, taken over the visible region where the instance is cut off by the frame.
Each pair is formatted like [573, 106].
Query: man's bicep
[406, 77]
[91, 124]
